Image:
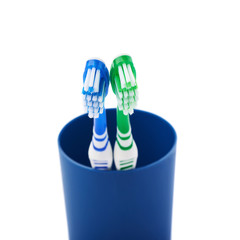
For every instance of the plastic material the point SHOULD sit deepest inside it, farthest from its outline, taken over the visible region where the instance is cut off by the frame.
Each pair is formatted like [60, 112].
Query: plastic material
[119, 205]
[124, 85]
[95, 89]
[125, 148]
[100, 149]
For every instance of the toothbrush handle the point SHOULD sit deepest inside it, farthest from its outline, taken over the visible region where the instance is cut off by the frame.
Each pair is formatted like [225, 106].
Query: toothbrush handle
[123, 122]
[100, 123]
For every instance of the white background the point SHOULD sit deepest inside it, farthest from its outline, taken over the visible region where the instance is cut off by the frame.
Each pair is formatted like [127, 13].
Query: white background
[187, 57]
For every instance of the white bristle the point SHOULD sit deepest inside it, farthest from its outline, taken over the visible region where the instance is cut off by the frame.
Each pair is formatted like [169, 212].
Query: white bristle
[131, 99]
[125, 93]
[94, 98]
[130, 111]
[133, 105]
[95, 110]
[101, 104]
[125, 112]
[120, 107]
[121, 76]
[86, 84]
[125, 106]
[89, 103]
[119, 101]
[101, 110]
[125, 100]
[133, 81]
[85, 109]
[90, 114]
[95, 104]
[131, 93]
[84, 103]
[89, 97]
[126, 73]
[100, 99]
[97, 81]
[90, 109]
[92, 77]
[96, 115]
[119, 94]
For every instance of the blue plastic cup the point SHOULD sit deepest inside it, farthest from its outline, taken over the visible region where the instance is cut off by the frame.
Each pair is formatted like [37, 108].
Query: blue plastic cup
[119, 205]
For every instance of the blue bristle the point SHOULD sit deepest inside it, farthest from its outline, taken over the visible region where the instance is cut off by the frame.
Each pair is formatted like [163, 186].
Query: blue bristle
[90, 89]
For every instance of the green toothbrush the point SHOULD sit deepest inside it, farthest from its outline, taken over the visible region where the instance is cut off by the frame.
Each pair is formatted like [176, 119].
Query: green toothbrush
[124, 85]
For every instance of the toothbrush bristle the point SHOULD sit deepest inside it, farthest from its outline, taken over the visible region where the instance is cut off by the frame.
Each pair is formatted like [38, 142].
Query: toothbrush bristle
[95, 84]
[123, 77]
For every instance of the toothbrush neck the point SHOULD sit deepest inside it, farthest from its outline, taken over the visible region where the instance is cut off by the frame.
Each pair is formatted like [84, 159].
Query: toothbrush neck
[123, 122]
[100, 123]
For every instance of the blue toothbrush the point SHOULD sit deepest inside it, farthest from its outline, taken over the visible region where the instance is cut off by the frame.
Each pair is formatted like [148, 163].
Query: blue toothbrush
[95, 89]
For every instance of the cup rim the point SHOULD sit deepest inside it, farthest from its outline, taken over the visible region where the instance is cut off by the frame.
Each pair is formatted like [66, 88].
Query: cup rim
[142, 168]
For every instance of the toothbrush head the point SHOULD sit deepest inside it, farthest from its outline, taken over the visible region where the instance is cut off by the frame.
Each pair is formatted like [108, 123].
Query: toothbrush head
[124, 85]
[95, 87]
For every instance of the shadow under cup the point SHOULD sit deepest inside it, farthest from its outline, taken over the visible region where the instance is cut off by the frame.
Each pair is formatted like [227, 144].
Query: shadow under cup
[119, 205]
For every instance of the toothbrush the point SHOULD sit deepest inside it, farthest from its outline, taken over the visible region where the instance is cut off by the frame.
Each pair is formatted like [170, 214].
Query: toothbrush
[124, 85]
[95, 89]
